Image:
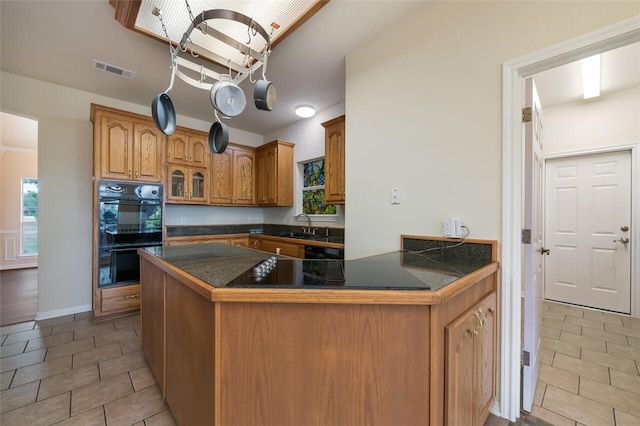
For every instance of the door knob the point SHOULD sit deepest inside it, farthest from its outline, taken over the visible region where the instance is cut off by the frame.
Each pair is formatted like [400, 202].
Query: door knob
[622, 240]
[545, 251]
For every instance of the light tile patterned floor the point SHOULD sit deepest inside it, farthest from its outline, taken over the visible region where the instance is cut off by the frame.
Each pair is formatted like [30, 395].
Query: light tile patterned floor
[590, 372]
[74, 371]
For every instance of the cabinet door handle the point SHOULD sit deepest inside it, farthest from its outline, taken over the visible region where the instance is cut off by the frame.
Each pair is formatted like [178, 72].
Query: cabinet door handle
[479, 316]
[132, 296]
[484, 317]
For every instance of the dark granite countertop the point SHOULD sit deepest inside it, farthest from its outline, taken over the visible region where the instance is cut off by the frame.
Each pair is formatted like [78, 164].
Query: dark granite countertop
[324, 234]
[221, 265]
[214, 263]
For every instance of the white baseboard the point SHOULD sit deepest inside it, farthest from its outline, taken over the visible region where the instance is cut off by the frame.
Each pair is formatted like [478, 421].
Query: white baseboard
[495, 408]
[62, 312]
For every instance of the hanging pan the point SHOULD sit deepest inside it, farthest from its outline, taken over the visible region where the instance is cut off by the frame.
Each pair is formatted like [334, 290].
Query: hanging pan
[264, 95]
[218, 137]
[162, 110]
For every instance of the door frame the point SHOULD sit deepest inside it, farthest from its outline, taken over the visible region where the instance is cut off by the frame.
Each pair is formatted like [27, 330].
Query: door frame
[514, 71]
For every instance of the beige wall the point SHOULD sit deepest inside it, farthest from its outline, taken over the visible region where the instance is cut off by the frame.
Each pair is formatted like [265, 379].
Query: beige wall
[14, 165]
[610, 120]
[424, 113]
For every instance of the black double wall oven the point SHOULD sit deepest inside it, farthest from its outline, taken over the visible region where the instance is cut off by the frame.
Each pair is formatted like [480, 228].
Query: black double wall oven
[130, 217]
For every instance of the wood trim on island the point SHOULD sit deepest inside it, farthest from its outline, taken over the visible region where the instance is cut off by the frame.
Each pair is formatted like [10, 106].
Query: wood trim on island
[314, 357]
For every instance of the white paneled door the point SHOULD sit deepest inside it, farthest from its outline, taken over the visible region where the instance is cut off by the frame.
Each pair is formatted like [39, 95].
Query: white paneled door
[532, 248]
[588, 228]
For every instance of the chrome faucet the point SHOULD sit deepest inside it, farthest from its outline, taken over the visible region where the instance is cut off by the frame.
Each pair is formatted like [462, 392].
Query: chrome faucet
[308, 231]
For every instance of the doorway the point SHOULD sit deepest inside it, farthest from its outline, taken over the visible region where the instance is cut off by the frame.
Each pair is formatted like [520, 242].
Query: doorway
[19, 216]
[617, 35]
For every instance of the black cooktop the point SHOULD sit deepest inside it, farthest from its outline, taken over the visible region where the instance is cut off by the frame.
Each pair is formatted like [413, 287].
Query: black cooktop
[396, 270]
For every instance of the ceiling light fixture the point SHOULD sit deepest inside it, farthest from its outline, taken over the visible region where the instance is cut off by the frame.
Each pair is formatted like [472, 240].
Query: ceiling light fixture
[305, 111]
[590, 76]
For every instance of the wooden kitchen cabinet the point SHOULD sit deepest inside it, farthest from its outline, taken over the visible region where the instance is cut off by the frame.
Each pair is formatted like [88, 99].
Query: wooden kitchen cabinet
[237, 240]
[274, 183]
[126, 146]
[470, 364]
[233, 176]
[187, 185]
[152, 320]
[419, 365]
[334, 161]
[120, 299]
[274, 245]
[189, 148]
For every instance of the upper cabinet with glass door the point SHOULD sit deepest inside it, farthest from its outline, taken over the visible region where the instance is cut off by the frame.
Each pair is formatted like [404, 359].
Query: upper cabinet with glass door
[187, 185]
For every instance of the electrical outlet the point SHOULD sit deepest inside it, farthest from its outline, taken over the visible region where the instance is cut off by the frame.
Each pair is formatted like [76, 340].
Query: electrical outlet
[446, 227]
[452, 227]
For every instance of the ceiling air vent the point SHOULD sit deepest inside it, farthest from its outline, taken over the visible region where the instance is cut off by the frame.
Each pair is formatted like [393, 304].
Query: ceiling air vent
[102, 66]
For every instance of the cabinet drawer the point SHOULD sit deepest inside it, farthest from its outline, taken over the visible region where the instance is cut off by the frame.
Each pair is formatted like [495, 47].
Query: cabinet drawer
[120, 299]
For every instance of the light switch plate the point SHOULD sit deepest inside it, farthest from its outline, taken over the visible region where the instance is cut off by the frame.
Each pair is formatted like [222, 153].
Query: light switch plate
[395, 195]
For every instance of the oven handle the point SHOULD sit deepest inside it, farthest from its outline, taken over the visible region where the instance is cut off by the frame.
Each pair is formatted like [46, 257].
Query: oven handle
[136, 247]
[136, 202]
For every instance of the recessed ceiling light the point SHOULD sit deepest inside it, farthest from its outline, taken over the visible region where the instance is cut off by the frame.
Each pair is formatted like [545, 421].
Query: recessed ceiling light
[305, 111]
[590, 76]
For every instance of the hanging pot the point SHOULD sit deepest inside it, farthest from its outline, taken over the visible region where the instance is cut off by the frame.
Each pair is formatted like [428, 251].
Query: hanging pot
[218, 137]
[164, 114]
[228, 98]
[264, 95]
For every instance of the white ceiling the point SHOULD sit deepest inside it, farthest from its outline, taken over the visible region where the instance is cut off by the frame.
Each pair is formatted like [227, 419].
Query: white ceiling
[619, 70]
[56, 41]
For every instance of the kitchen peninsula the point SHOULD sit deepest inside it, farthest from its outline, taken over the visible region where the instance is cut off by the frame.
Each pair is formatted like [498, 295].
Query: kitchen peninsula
[400, 338]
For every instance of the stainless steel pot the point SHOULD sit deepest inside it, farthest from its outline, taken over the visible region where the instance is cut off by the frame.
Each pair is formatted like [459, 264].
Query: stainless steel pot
[228, 98]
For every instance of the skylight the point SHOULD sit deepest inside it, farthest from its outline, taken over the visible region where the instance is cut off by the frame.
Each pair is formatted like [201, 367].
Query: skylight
[277, 17]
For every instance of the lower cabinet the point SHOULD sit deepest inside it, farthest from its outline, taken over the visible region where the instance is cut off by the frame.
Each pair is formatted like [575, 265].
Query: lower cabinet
[152, 321]
[470, 364]
[278, 247]
[231, 239]
[303, 359]
[120, 299]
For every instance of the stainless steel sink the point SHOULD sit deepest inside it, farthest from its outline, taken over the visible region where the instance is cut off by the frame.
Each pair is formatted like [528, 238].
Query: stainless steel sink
[302, 236]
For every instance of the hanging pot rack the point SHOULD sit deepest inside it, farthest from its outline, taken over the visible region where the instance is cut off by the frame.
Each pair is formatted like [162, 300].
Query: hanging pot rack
[226, 96]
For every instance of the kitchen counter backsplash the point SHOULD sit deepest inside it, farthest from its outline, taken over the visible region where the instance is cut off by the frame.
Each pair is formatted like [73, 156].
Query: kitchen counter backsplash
[265, 229]
[467, 250]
